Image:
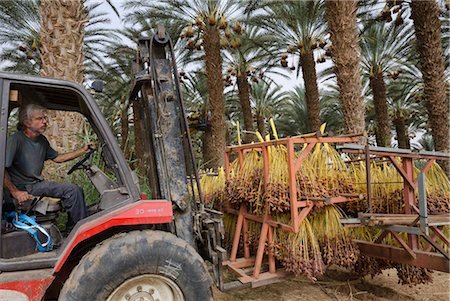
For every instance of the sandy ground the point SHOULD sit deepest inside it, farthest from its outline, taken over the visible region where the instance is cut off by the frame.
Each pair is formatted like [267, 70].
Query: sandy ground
[336, 287]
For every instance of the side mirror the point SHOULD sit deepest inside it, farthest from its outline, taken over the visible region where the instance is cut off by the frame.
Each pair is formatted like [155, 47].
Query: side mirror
[98, 86]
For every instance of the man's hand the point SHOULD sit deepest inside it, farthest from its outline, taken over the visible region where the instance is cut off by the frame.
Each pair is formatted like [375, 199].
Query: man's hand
[88, 147]
[75, 154]
[21, 196]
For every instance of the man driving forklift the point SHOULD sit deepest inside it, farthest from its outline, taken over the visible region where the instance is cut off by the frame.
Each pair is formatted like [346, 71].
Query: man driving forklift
[26, 152]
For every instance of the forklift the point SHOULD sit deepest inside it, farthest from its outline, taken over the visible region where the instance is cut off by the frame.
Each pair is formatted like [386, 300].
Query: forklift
[130, 247]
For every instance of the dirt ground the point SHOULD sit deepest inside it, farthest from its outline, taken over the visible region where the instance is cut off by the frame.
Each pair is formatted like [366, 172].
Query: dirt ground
[334, 286]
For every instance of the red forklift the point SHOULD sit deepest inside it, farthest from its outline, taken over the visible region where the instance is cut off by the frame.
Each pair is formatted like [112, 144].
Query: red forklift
[129, 247]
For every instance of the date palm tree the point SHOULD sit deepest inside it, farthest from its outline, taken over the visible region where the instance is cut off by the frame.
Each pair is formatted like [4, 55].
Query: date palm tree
[248, 64]
[345, 51]
[20, 36]
[292, 114]
[384, 49]
[427, 26]
[266, 98]
[300, 31]
[201, 25]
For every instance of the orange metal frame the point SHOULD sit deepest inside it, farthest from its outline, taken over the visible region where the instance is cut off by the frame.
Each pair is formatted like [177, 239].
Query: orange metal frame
[410, 251]
[299, 209]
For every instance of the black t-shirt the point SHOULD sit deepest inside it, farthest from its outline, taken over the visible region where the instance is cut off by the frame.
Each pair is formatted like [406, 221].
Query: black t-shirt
[25, 158]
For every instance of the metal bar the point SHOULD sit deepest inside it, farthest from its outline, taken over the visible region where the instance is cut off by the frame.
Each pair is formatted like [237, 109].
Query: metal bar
[436, 246]
[429, 246]
[303, 204]
[302, 156]
[427, 260]
[403, 172]
[423, 203]
[385, 151]
[403, 244]
[406, 229]
[305, 211]
[240, 263]
[246, 244]
[408, 194]
[237, 233]
[260, 252]
[272, 268]
[295, 140]
[428, 165]
[292, 182]
[441, 235]
[241, 160]
[350, 221]
[381, 236]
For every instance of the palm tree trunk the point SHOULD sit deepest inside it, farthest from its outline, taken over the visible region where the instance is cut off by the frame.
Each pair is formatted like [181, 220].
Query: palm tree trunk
[244, 99]
[260, 124]
[383, 129]
[62, 56]
[341, 18]
[214, 139]
[311, 90]
[425, 14]
[400, 129]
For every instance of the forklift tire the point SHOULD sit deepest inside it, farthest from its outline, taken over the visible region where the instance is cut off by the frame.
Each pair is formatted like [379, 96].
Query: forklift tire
[139, 265]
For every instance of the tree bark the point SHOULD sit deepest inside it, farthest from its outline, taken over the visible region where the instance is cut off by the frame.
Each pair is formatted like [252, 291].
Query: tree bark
[214, 139]
[341, 18]
[311, 91]
[261, 125]
[383, 129]
[62, 56]
[244, 99]
[427, 26]
[402, 135]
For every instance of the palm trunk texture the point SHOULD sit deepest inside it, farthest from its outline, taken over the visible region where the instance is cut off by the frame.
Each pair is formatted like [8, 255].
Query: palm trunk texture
[341, 18]
[402, 135]
[383, 129]
[244, 99]
[214, 138]
[425, 14]
[260, 124]
[62, 56]
[311, 90]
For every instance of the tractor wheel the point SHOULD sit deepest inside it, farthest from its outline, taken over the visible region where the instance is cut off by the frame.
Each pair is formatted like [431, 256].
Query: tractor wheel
[140, 265]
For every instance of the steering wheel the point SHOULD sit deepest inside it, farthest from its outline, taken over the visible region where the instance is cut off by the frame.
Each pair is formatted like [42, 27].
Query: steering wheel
[81, 161]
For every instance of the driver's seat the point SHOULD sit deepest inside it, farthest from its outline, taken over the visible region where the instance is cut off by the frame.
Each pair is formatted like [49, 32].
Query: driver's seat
[46, 208]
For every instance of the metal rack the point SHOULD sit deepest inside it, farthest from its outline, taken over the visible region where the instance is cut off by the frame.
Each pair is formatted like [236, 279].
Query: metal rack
[247, 268]
[255, 271]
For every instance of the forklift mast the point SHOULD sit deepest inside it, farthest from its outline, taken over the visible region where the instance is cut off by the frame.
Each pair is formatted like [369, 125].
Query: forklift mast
[168, 155]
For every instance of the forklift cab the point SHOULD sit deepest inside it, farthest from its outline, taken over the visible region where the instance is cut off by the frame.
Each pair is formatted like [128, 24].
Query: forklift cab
[114, 183]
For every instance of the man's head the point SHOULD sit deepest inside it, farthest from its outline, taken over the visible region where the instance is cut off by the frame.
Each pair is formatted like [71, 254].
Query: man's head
[33, 119]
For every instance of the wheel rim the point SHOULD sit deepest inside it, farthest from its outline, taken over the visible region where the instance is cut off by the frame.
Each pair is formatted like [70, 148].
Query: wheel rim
[147, 288]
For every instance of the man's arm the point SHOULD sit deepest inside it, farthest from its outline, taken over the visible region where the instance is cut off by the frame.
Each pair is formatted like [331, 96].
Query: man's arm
[19, 195]
[72, 155]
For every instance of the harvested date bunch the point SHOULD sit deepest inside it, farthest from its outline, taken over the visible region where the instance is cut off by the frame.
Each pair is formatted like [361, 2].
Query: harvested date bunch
[299, 252]
[412, 275]
[335, 242]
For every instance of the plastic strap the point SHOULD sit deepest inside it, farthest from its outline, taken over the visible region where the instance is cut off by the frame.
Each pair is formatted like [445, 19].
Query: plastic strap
[28, 224]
